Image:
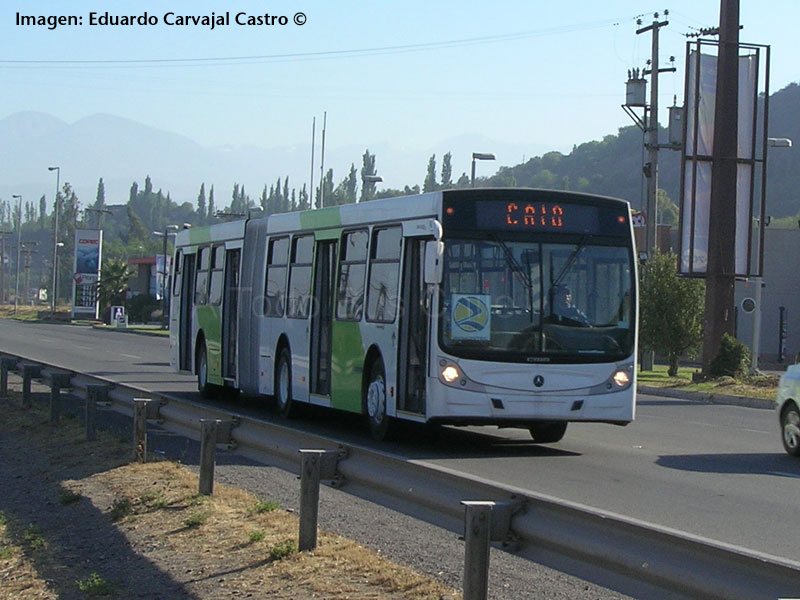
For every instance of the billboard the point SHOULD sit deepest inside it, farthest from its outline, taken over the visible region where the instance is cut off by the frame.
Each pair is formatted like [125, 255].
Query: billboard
[86, 272]
[698, 155]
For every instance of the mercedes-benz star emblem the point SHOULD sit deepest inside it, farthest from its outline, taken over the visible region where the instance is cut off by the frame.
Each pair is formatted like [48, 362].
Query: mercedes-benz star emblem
[538, 381]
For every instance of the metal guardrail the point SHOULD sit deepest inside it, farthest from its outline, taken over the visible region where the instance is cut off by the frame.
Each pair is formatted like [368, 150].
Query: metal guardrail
[527, 524]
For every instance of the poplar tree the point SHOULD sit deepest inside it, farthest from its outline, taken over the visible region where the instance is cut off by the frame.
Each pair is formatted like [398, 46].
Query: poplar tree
[212, 209]
[430, 179]
[202, 209]
[367, 169]
[447, 171]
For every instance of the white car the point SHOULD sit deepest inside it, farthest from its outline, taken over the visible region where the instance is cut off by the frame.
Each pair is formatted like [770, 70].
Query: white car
[789, 409]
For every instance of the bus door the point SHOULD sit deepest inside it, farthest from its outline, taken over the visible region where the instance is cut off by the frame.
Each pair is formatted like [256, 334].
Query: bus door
[185, 340]
[230, 313]
[413, 334]
[322, 317]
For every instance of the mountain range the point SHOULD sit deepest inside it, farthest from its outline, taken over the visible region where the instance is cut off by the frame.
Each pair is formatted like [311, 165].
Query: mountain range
[122, 151]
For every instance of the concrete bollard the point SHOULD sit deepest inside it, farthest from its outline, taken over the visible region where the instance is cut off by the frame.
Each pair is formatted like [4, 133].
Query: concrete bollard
[140, 429]
[57, 382]
[477, 530]
[29, 372]
[208, 454]
[95, 392]
[7, 363]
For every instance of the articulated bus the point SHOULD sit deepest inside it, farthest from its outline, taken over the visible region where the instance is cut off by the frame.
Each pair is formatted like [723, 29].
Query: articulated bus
[507, 307]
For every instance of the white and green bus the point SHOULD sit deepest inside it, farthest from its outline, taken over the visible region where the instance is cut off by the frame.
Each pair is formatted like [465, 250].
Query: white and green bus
[507, 307]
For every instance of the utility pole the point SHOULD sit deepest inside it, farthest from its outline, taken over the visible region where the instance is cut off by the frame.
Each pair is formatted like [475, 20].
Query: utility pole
[27, 248]
[651, 124]
[721, 270]
[651, 166]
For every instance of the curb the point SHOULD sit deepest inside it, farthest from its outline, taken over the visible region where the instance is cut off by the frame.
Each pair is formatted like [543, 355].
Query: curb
[708, 398]
[131, 331]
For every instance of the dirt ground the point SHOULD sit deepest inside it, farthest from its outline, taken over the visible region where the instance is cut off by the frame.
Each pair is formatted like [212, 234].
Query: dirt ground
[78, 520]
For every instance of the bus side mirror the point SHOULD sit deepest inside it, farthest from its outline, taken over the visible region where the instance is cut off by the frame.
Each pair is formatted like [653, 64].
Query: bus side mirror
[434, 252]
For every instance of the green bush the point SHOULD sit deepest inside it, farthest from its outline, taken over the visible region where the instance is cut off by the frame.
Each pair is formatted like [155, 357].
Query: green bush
[733, 359]
[141, 307]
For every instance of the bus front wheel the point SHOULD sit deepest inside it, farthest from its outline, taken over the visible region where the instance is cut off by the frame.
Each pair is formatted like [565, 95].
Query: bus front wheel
[283, 384]
[375, 402]
[547, 432]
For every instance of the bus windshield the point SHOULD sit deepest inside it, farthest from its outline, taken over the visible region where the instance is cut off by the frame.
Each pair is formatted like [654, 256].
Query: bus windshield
[567, 299]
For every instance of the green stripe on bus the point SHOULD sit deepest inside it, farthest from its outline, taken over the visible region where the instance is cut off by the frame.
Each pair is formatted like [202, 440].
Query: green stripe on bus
[325, 217]
[347, 365]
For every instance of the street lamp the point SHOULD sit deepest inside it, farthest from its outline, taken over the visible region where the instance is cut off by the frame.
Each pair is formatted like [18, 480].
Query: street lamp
[479, 156]
[370, 180]
[54, 286]
[19, 250]
[165, 271]
[756, 346]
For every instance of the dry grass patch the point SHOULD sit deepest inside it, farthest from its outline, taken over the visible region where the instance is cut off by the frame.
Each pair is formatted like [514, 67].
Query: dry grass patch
[210, 547]
[210, 539]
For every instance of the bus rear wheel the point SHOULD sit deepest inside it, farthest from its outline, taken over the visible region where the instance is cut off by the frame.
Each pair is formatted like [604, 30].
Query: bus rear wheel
[283, 384]
[375, 402]
[547, 432]
[203, 386]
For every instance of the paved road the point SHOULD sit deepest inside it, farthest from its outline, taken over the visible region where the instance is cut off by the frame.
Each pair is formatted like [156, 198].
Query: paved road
[714, 471]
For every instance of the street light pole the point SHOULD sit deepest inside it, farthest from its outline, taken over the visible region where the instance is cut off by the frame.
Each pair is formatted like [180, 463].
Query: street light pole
[54, 286]
[479, 156]
[3, 235]
[758, 281]
[19, 250]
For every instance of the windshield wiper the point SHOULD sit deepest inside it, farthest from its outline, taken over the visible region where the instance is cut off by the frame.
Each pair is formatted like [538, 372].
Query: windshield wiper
[570, 261]
[515, 266]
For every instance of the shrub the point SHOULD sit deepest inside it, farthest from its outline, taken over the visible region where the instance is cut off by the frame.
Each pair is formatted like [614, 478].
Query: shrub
[141, 308]
[732, 359]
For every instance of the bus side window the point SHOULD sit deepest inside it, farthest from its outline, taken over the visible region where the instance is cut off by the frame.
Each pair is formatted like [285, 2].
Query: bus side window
[275, 280]
[299, 300]
[352, 275]
[384, 271]
[201, 280]
[178, 276]
[215, 286]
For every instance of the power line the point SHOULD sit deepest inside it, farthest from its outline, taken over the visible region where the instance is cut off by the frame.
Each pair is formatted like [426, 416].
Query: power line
[319, 55]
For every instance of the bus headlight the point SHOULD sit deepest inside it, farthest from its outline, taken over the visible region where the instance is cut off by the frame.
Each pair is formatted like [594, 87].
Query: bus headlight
[450, 373]
[621, 378]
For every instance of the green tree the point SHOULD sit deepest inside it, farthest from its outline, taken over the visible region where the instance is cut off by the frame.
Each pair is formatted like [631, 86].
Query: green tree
[367, 169]
[430, 178]
[202, 208]
[212, 209]
[42, 212]
[114, 280]
[671, 310]
[447, 171]
[668, 213]
[100, 198]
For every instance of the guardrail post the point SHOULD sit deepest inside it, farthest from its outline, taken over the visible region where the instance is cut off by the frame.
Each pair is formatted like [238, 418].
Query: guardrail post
[309, 498]
[208, 453]
[28, 373]
[57, 381]
[95, 392]
[477, 529]
[140, 429]
[7, 363]
[316, 465]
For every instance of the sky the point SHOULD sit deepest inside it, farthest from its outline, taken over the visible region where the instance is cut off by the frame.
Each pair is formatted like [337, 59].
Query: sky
[531, 75]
